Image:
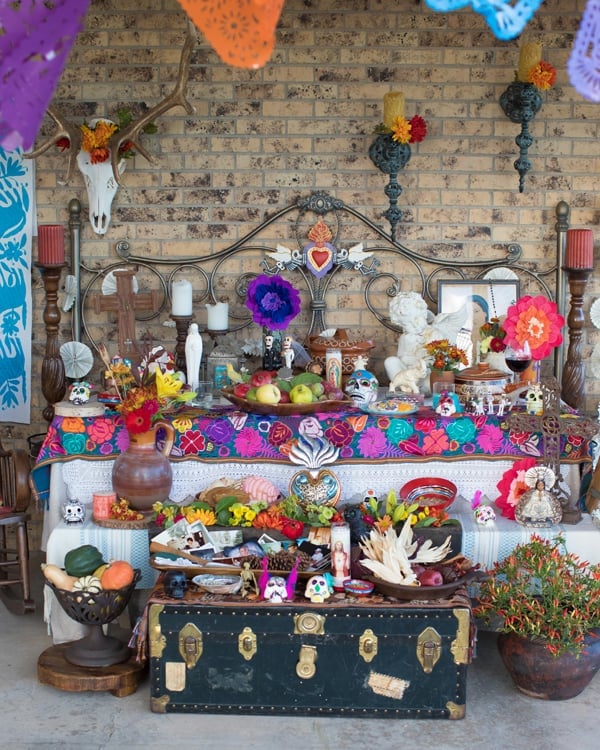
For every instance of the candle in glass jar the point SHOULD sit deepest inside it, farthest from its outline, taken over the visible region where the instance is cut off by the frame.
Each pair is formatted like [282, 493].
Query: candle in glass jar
[340, 554]
[580, 248]
[529, 57]
[393, 107]
[51, 244]
[181, 298]
[101, 504]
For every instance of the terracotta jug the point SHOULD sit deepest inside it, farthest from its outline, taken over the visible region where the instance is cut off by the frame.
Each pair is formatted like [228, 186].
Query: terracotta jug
[142, 474]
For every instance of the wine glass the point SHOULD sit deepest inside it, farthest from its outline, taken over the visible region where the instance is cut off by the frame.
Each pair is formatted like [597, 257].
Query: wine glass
[517, 358]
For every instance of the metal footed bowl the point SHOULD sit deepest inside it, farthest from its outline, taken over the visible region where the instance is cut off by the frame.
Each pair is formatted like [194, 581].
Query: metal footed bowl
[91, 608]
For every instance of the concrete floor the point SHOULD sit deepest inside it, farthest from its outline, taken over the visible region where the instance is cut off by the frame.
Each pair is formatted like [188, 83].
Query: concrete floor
[498, 717]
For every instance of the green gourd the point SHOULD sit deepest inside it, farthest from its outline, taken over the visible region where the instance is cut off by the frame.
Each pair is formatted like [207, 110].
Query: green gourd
[83, 561]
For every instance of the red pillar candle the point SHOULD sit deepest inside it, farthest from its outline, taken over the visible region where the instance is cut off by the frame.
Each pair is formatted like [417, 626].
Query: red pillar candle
[580, 249]
[51, 244]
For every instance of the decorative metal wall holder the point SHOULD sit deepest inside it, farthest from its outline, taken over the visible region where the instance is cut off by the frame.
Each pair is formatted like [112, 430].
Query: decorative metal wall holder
[520, 103]
[390, 157]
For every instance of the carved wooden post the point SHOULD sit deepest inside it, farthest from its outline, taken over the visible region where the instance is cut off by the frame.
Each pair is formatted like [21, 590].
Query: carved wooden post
[182, 324]
[573, 377]
[53, 368]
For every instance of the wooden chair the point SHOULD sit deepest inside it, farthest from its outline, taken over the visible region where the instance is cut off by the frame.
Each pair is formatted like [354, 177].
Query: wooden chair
[15, 495]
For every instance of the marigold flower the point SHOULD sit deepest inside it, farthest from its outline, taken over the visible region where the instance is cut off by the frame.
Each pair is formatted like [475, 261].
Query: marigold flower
[401, 130]
[542, 75]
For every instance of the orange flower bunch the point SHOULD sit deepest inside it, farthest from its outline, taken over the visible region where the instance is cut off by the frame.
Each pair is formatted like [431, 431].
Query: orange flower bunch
[409, 131]
[445, 356]
[542, 75]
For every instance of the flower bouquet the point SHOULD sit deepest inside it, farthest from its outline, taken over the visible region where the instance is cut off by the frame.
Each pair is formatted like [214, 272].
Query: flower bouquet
[445, 356]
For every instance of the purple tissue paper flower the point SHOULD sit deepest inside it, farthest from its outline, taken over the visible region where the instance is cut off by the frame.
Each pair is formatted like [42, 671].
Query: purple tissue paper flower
[273, 301]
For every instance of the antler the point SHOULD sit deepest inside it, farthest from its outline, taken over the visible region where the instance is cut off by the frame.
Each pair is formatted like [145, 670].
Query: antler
[176, 98]
[64, 130]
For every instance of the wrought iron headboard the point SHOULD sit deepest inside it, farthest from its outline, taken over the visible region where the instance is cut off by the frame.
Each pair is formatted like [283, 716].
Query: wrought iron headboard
[383, 265]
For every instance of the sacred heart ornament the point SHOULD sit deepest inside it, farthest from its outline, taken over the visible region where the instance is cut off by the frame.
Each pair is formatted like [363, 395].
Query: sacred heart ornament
[322, 488]
[319, 260]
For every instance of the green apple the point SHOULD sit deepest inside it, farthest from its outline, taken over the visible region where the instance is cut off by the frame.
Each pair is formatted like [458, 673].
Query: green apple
[318, 389]
[251, 395]
[301, 394]
[268, 393]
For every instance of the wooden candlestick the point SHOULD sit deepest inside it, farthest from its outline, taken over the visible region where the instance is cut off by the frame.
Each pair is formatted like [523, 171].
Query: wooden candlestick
[54, 384]
[182, 323]
[573, 377]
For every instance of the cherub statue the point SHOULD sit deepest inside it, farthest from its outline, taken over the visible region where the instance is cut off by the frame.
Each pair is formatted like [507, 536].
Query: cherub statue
[419, 326]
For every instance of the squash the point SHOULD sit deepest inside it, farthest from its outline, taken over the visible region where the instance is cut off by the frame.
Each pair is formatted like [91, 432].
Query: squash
[117, 575]
[88, 583]
[83, 561]
[58, 577]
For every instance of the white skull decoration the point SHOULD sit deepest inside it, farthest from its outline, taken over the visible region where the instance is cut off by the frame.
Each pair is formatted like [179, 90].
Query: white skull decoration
[101, 185]
[317, 589]
[534, 401]
[362, 386]
[485, 515]
[73, 511]
[275, 590]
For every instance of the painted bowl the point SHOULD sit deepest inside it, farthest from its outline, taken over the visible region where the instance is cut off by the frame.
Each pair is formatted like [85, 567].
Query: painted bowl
[429, 492]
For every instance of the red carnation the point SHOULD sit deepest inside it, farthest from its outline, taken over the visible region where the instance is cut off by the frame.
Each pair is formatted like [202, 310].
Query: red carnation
[418, 129]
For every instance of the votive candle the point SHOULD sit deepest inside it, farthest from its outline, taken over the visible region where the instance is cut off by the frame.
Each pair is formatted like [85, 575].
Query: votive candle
[51, 244]
[181, 298]
[101, 504]
[529, 57]
[393, 107]
[580, 249]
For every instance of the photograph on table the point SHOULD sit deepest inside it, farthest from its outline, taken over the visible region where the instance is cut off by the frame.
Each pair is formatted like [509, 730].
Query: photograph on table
[484, 299]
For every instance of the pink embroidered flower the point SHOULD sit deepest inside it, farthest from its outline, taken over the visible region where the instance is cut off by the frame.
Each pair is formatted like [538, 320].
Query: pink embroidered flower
[435, 443]
[490, 439]
[534, 320]
[372, 443]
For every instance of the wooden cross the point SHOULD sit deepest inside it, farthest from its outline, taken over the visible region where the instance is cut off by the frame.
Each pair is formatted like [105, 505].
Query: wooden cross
[552, 424]
[125, 303]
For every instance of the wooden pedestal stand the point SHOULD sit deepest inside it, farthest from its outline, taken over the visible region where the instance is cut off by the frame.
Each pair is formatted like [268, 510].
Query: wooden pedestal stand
[573, 377]
[54, 384]
[119, 679]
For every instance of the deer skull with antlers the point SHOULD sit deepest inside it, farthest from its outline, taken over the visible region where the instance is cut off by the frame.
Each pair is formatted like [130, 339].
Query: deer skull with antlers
[99, 148]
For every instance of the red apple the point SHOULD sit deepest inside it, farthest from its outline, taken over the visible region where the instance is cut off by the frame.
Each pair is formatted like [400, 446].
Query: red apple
[241, 389]
[284, 397]
[261, 377]
[431, 578]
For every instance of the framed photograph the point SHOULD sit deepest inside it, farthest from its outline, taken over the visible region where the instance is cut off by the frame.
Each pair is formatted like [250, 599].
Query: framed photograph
[484, 299]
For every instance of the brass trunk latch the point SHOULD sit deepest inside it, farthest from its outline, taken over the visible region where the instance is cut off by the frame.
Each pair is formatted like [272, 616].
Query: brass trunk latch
[367, 645]
[429, 649]
[305, 668]
[190, 644]
[247, 643]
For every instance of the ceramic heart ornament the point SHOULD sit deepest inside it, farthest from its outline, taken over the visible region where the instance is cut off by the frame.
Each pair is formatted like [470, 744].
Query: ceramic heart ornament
[319, 488]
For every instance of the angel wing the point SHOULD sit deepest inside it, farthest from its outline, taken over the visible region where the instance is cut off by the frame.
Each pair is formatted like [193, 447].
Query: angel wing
[447, 325]
[282, 256]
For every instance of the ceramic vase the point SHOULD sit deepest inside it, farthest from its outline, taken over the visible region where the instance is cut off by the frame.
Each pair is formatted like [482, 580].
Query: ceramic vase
[142, 474]
[539, 674]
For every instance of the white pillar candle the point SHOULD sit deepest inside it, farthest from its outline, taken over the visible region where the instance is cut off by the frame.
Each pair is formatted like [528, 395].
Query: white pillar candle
[218, 316]
[181, 298]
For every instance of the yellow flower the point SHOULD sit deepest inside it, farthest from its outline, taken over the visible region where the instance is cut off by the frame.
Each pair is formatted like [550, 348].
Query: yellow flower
[401, 129]
[207, 517]
[182, 424]
[167, 386]
[99, 136]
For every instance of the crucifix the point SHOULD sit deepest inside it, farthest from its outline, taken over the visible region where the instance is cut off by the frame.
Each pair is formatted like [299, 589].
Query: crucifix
[125, 302]
[552, 424]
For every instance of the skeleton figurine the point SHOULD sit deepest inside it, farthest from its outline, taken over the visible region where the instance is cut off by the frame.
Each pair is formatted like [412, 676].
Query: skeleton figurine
[362, 387]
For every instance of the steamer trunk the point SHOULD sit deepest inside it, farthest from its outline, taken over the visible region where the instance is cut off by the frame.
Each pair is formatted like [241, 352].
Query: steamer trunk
[347, 658]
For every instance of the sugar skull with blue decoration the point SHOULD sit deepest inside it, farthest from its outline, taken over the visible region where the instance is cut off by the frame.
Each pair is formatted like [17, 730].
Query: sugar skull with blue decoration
[362, 387]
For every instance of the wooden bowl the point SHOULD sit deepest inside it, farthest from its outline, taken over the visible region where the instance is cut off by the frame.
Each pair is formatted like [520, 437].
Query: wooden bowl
[285, 410]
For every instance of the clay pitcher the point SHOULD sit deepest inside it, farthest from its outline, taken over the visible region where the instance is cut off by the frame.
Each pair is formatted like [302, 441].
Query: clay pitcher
[142, 474]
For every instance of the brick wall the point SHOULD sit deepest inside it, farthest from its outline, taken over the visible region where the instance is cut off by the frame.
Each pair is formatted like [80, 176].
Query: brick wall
[259, 139]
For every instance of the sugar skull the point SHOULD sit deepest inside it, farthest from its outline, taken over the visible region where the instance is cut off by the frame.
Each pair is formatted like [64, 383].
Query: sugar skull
[317, 589]
[362, 386]
[275, 589]
[534, 401]
[175, 584]
[485, 515]
[80, 392]
[73, 511]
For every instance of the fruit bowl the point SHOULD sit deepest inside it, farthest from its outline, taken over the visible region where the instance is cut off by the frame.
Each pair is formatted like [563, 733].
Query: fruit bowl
[287, 409]
[406, 593]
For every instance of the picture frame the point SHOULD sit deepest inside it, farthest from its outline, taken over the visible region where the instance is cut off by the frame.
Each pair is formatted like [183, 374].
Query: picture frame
[491, 299]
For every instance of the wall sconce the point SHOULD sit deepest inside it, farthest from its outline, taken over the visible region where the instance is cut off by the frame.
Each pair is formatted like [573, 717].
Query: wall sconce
[522, 100]
[390, 151]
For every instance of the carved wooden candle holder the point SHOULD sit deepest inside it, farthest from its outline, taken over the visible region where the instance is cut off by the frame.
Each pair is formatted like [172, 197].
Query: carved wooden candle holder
[53, 369]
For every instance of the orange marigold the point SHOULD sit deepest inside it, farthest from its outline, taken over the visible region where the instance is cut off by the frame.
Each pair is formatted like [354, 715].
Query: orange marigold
[401, 130]
[542, 75]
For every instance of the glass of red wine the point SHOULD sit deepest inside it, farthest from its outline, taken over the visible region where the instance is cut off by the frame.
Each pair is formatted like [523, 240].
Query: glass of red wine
[517, 358]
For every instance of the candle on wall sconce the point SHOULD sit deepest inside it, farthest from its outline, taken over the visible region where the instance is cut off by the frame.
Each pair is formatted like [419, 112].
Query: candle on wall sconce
[218, 316]
[393, 107]
[580, 249]
[181, 298]
[529, 56]
[51, 244]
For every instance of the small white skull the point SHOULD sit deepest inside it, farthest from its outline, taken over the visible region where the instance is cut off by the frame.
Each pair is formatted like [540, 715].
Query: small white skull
[485, 515]
[317, 589]
[73, 511]
[534, 401]
[275, 590]
[80, 392]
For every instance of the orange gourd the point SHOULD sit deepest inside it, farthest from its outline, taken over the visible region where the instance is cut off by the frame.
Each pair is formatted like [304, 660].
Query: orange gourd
[117, 575]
